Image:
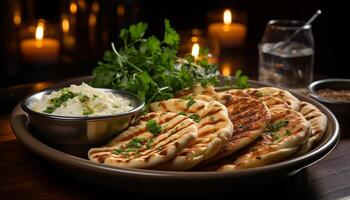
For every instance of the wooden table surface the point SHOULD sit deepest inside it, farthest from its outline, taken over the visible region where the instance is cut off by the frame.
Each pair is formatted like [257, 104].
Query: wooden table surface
[24, 175]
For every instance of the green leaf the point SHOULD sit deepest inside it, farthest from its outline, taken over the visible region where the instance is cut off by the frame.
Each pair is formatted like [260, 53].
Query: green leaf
[171, 37]
[153, 127]
[271, 128]
[150, 68]
[137, 31]
[153, 44]
[124, 35]
[195, 117]
[241, 81]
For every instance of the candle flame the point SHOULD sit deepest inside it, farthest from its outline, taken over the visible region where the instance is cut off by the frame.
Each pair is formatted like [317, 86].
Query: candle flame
[195, 50]
[39, 33]
[17, 17]
[73, 7]
[82, 4]
[92, 20]
[227, 17]
[194, 39]
[120, 10]
[95, 7]
[226, 69]
[65, 25]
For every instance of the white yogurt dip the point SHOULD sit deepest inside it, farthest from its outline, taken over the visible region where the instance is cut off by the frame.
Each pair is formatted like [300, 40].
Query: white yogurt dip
[81, 100]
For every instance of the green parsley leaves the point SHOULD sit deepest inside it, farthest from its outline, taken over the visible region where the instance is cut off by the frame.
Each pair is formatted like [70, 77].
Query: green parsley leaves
[153, 127]
[271, 128]
[134, 146]
[241, 80]
[149, 67]
[190, 102]
[57, 102]
[195, 117]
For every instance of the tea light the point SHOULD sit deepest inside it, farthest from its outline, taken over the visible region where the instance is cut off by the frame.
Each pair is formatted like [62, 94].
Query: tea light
[229, 34]
[40, 50]
[195, 51]
[192, 41]
[68, 39]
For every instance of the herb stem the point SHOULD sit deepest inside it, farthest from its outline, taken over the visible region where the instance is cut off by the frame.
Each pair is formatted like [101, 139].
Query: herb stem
[134, 66]
[131, 64]
[158, 91]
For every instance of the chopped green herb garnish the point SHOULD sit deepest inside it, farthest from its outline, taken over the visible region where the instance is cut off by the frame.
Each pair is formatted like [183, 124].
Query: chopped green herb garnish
[134, 146]
[83, 98]
[276, 137]
[94, 96]
[136, 143]
[149, 143]
[182, 113]
[88, 112]
[195, 117]
[271, 128]
[287, 133]
[190, 103]
[212, 118]
[240, 126]
[57, 102]
[259, 94]
[153, 127]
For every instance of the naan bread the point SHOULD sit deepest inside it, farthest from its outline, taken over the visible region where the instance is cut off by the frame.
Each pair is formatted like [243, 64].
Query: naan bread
[272, 97]
[249, 117]
[276, 146]
[318, 122]
[215, 128]
[284, 95]
[197, 89]
[151, 149]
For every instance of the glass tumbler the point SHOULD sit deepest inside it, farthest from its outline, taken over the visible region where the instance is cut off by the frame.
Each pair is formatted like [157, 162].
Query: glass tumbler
[287, 61]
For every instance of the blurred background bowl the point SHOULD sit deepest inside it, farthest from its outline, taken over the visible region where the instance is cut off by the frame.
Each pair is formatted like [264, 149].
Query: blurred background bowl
[69, 133]
[340, 108]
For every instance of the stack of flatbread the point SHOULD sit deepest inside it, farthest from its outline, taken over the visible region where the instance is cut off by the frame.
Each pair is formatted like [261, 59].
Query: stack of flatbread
[228, 130]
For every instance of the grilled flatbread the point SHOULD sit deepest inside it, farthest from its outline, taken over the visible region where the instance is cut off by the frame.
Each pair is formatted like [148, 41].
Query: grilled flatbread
[284, 95]
[215, 128]
[318, 122]
[288, 129]
[249, 117]
[141, 147]
[272, 97]
[197, 89]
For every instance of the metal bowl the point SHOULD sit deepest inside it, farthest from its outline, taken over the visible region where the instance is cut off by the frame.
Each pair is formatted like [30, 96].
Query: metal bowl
[71, 131]
[340, 108]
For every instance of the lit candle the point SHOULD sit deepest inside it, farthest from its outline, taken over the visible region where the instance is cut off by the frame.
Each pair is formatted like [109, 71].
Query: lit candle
[226, 69]
[68, 39]
[195, 51]
[40, 50]
[229, 34]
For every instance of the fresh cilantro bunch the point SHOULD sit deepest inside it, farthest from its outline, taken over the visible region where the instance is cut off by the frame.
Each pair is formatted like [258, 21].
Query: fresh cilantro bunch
[149, 67]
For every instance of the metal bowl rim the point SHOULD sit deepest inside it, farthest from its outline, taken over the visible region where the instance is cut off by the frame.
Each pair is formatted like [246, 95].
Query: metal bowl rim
[140, 104]
[312, 91]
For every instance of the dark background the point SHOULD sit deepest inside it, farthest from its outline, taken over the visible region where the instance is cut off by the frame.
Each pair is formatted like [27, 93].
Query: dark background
[329, 32]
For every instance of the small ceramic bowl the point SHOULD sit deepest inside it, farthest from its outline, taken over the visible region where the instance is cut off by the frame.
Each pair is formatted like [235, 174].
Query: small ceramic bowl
[340, 108]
